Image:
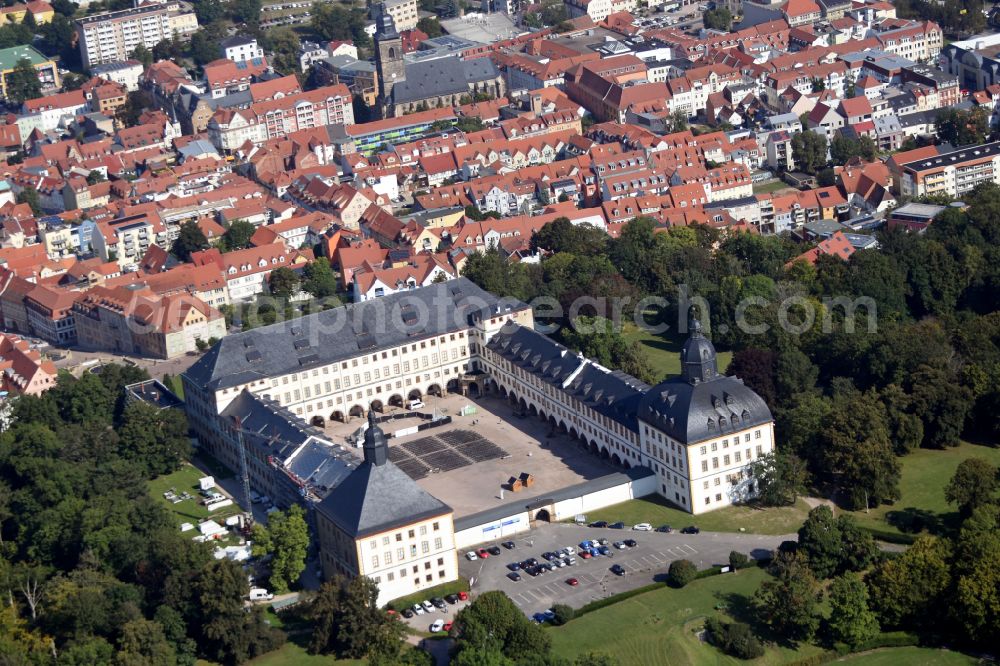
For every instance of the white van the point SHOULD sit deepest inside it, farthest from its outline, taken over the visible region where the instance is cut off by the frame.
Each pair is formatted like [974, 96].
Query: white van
[260, 594]
[415, 404]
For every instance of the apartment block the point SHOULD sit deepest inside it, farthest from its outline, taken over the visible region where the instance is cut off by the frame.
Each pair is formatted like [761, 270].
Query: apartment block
[113, 36]
[953, 174]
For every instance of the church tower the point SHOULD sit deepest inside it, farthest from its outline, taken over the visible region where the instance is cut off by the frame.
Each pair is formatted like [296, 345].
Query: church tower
[388, 60]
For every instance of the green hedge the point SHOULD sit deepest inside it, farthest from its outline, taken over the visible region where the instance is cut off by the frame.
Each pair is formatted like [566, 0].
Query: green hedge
[890, 537]
[602, 603]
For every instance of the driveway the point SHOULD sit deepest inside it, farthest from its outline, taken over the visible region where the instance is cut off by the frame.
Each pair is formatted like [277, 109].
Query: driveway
[644, 564]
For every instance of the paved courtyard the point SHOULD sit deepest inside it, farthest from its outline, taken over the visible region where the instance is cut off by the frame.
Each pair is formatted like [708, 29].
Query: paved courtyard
[644, 564]
[523, 445]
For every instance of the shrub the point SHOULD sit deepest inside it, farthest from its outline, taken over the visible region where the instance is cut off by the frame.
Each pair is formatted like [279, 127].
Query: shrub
[681, 573]
[200, 344]
[563, 614]
[734, 638]
[738, 560]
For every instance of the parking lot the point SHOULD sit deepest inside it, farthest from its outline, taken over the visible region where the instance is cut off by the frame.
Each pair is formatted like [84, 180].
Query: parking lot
[644, 564]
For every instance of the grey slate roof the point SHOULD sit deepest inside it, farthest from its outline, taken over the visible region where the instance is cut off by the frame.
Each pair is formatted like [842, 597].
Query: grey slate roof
[377, 498]
[442, 76]
[342, 333]
[277, 432]
[613, 394]
[702, 404]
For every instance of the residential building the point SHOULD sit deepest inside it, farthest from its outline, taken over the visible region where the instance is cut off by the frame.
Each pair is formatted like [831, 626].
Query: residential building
[953, 174]
[23, 371]
[137, 321]
[48, 70]
[113, 36]
[126, 72]
[403, 13]
[239, 48]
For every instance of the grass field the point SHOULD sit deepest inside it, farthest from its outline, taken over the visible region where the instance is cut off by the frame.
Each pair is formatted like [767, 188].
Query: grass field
[659, 627]
[663, 351]
[293, 654]
[911, 656]
[771, 186]
[924, 475]
[656, 511]
[188, 511]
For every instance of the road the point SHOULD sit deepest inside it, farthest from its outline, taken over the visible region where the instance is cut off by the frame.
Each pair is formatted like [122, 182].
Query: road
[644, 564]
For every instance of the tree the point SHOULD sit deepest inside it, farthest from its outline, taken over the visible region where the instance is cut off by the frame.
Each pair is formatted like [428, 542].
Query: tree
[226, 632]
[29, 195]
[431, 26]
[809, 151]
[143, 55]
[851, 621]
[23, 83]
[819, 540]
[245, 11]
[283, 282]
[283, 43]
[190, 239]
[143, 643]
[857, 452]
[204, 45]
[781, 478]
[319, 279]
[976, 607]
[857, 546]
[561, 235]
[492, 623]
[678, 121]
[155, 439]
[961, 127]
[719, 18]
[563, 614]
[788, 604]
[681, 572]
[738, 560]
[209, 11]
[973, 485]
[237, 236]
[286, 538]
[348, 623]
[843, 149]
[330, 21]
[137, 102]
[907, 591]
[734, 638]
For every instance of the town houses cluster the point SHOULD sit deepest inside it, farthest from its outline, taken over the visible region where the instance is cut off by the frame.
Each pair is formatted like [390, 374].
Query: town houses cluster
[392, 164]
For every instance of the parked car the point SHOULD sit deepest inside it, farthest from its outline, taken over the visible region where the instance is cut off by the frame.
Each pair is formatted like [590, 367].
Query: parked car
[451, 598]
[415, 404]
[260, 594]
[599, 523]
[604, 550]
[509, 545]
[407, 613]
[437, 626]
[428, 606]
[690, 529]
[514, 566]
[665, 529]
[617, 526]
[585, 554]
[514, 576]
[572, 582]
[493, 550]
[550, 614]
[619, 545]
[631, 543]
[439, 603]
[463, 596]
[483, 553]
[569, 550]
[618, 570]
[642, 527]
[538, 617]
[418, 609]
[471, 556]
[447, 626]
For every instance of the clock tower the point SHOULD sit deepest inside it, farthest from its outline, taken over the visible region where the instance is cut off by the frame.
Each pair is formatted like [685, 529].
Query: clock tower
[388, 60]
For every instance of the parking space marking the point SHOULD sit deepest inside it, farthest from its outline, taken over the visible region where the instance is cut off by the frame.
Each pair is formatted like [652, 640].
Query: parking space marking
[693, 551]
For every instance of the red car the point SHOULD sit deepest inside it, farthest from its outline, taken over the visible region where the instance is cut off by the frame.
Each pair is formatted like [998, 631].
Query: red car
[447, 626]
[483, 553]
[572, 582]
[463, 596]
[585, 554]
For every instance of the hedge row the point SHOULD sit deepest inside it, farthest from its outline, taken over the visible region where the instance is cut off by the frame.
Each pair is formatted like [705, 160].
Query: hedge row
[890, 639]
[891, 537]
[608, 601]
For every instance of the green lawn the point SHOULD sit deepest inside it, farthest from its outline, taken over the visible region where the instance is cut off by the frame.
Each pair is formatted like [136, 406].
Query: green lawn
[924, 475]
[911, 656]
[771, 186]
[656, 511]
[188, 511]
[663, 351]
[659, 627]
[293, 654]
